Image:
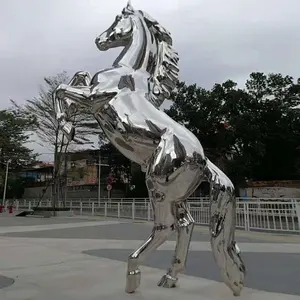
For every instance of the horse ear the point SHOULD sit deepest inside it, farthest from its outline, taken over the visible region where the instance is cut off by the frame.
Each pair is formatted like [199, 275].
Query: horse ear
[129, 6]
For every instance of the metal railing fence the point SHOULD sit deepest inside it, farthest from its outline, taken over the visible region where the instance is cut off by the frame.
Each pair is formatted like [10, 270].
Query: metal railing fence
[272, 215]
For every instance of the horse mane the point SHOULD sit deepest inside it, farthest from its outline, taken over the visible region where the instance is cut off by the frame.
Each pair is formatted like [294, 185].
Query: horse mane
[164, 75]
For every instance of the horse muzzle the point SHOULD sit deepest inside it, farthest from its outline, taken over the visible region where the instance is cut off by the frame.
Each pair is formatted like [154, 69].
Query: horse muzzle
[101, 43]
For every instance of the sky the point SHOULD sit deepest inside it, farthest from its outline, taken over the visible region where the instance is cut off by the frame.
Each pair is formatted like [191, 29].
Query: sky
[216, 40]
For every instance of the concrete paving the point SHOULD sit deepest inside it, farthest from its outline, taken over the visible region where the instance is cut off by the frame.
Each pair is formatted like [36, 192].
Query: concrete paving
[264, 271]
[88, 229]
[7, 220]
[86, 260]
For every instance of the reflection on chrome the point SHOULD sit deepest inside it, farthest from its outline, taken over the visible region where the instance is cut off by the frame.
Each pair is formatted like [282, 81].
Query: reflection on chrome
[125, 101]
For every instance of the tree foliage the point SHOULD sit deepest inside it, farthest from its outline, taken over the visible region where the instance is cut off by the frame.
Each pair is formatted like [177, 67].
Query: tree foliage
[252, 133]
[14, 135]
[13, 138]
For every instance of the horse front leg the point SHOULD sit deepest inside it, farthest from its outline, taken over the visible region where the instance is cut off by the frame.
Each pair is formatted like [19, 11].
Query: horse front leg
[61, 116]
[68, 95]
[79, 79]
[78, 95]
[184, 226]
[222, 229]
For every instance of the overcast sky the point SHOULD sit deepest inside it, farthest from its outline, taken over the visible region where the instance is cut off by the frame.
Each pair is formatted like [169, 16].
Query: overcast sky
[216, 39]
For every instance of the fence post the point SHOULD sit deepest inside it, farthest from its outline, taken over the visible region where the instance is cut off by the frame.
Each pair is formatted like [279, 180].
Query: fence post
[119, 211]
[93, 208]
[149, 212]
[246, 216]
[105, 209]
[297, 208]
[80, 208]
[133, 210]
[29, 205]
[189, 206]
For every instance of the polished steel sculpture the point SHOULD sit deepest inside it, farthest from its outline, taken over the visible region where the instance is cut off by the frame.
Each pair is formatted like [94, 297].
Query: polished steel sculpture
[125, 101]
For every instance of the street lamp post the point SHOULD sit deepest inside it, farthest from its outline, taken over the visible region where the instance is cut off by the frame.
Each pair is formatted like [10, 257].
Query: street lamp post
[5, 182]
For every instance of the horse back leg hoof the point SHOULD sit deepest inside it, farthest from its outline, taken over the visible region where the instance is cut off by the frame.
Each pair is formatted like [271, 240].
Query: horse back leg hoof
[235, 269]
[237, 293]
[133, 281]
[167, 281]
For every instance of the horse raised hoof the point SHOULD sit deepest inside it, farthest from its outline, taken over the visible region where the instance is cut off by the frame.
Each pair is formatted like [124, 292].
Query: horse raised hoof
[167, 281]
[133, 281]
[69, 131]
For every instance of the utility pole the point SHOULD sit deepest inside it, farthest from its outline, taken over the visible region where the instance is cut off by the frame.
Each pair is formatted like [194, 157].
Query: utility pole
[99, 177]
[66, 178]
[5, 183]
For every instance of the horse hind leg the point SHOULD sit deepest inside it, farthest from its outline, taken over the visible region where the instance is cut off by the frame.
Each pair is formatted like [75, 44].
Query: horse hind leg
[174, 172]
[184, 227]
[222, 229]
[163, 228]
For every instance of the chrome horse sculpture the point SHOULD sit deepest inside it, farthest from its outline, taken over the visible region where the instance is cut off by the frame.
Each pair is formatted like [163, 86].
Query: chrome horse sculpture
[125, 101]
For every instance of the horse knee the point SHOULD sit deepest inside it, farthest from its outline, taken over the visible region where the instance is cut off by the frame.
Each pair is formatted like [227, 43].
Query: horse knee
[186, 226]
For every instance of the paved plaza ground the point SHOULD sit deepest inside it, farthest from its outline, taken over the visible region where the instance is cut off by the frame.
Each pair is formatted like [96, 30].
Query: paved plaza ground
[85, 258]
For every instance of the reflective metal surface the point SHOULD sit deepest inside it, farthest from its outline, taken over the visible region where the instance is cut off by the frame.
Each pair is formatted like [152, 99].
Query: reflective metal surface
[125, 101]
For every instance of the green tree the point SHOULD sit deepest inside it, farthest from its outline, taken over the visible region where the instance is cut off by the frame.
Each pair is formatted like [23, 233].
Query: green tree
[242, 135]
[279, 125]
[14, 134]
[251, 133]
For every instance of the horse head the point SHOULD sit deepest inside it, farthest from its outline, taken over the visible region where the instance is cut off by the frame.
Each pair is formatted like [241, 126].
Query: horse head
[119, 33]
[163, 66]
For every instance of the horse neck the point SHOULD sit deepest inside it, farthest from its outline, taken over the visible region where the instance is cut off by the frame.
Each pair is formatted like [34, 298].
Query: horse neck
[136, 54]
